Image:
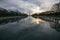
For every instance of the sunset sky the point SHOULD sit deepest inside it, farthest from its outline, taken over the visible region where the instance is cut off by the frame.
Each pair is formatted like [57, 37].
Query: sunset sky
[28, 6]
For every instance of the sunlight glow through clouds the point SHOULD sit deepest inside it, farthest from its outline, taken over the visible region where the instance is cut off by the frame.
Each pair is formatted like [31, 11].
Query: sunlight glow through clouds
[37, 10]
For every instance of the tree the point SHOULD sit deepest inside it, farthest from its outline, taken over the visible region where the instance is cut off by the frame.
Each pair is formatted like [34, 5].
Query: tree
[56, 7]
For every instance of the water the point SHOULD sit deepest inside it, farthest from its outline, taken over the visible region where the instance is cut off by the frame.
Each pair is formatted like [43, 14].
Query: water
[30, 28]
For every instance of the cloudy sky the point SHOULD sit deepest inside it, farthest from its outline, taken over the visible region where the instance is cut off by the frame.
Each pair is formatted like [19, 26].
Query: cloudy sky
[28, 6]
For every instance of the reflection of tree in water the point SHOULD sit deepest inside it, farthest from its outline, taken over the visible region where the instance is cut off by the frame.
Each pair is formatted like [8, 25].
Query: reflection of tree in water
[57, 25]
[56, 20]
[9, 20]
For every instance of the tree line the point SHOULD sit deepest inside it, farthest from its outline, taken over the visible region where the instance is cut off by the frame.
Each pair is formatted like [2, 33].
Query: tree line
[5, 13]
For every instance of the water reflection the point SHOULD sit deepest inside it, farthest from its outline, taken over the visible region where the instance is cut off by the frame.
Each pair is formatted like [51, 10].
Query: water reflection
[29, 29]
[36, 20]
[55, 20]
[9, 20]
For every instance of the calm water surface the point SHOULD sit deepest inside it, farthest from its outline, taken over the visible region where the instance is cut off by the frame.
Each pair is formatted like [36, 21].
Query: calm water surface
[30, 28]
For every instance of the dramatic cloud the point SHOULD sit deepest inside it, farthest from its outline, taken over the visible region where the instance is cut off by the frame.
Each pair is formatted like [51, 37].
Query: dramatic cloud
[28, 6]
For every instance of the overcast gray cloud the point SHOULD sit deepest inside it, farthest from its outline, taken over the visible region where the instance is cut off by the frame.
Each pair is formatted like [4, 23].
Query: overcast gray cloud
[27, 5]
